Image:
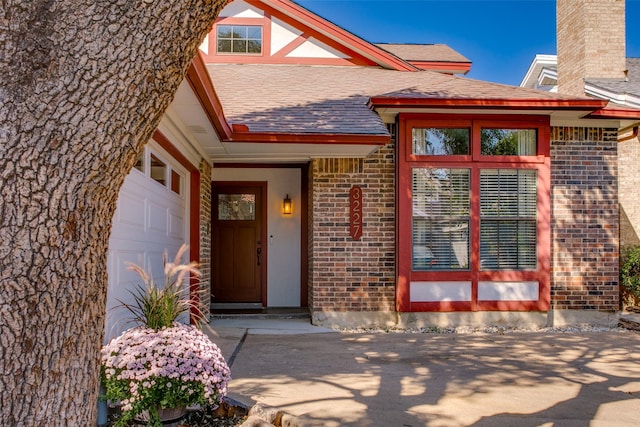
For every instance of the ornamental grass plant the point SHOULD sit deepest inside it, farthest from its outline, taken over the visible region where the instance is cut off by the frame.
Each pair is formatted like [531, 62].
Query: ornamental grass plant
[160, 363]
[159, 307]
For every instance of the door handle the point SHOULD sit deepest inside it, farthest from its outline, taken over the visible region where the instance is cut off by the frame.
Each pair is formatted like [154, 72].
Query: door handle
[259, 253]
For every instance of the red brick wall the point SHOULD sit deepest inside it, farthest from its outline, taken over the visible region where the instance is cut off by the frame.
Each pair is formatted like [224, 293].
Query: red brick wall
[347, 275]
[584, 222]
[205, 232]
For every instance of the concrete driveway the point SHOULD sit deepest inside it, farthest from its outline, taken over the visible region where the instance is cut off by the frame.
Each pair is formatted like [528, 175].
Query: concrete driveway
[410, 380]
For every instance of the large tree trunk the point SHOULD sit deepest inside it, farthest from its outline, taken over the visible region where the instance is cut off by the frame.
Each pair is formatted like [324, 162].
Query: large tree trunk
[83, 84]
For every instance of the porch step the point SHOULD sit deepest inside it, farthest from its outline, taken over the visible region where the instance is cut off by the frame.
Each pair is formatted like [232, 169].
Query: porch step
[259, 313]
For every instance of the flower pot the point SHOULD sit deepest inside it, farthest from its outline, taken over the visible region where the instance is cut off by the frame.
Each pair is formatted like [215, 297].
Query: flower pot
[173, 357]
[168, 416]
[171, 415]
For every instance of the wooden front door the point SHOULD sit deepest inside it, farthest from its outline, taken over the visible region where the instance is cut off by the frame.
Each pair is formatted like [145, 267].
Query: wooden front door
[238, 242]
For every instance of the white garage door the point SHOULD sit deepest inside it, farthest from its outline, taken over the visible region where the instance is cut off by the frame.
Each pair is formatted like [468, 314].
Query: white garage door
[151, 217]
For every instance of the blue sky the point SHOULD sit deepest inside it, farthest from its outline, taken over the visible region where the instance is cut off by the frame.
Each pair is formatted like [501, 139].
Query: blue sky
[500, 37]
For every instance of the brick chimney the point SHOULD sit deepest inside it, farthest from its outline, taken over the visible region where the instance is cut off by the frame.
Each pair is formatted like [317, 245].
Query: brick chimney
[591, 42]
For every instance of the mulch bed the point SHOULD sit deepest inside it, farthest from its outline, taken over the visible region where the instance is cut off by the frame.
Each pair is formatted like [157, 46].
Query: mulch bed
[226, 415]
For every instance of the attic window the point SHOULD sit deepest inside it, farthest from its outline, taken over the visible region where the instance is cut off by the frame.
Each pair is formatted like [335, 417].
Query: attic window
[239, 39]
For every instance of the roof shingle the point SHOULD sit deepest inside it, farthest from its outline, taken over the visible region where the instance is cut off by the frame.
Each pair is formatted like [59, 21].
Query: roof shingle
[631, 86]
[423, 52]
[332, 99]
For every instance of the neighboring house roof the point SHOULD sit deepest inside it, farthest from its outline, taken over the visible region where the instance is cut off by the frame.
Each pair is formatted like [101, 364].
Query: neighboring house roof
[430, 56]
[543, 74]
[335, 100]
[625, 92]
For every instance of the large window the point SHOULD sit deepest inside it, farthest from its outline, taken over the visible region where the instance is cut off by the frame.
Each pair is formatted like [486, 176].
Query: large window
[473, 214]
[239, 39]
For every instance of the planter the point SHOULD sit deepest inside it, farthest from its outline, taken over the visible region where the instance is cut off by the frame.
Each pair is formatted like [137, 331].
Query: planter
[168, 416]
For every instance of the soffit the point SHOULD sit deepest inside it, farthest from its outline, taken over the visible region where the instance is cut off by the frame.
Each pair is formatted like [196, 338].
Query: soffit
[188, 118]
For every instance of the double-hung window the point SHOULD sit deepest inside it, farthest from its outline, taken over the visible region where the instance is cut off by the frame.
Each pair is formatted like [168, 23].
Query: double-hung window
[473, 214]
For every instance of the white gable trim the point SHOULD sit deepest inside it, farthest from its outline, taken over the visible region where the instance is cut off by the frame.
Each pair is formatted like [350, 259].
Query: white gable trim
[241, 9]
[282, 34]
[204, 47]
[539, 62]
[314, 48]
[619, 98]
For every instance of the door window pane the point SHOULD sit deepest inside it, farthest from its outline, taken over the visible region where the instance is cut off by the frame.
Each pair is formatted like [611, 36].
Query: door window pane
[441, 217]
[176, 182]
[236, 207]
[441, 141]
[139, 164]
[158, 170]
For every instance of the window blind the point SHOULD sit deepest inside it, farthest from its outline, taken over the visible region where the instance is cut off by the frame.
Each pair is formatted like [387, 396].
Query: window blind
[441, 218]
[508, 214]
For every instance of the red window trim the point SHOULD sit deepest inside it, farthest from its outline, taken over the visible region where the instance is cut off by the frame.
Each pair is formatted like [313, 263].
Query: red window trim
[265, 23]
[476, 123]
[407, 161]
[436, 123]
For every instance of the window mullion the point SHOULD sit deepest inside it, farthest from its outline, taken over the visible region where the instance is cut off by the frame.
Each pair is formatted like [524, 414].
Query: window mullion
[475, 217]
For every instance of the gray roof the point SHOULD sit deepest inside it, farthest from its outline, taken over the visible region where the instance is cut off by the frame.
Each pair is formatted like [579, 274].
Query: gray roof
[423, 52]
[631, 86]
[334, 99]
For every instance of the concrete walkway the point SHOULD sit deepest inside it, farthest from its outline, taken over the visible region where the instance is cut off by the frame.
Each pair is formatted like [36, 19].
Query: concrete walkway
[408, 380]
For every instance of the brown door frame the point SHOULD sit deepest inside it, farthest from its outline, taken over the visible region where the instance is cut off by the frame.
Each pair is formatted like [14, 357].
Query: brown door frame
[263, 228]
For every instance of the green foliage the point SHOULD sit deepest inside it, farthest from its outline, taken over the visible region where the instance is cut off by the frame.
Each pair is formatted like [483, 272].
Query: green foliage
[159, 307]
[498, 142]
[143, 371]
[630, 275]
[454, 141]
[162, 364]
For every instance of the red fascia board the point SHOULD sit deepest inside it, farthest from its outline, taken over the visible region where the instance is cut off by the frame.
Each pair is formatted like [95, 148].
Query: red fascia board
[309, 138]
[200, 82]
[522, 104]
[616, 113]
[462, 67]
[352, 41]
[173, 151]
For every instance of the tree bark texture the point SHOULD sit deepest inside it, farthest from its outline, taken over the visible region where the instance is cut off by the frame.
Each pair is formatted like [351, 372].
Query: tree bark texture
[83, 84]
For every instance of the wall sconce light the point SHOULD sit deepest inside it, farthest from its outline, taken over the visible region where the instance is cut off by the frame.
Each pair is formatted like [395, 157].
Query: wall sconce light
[287, 206]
